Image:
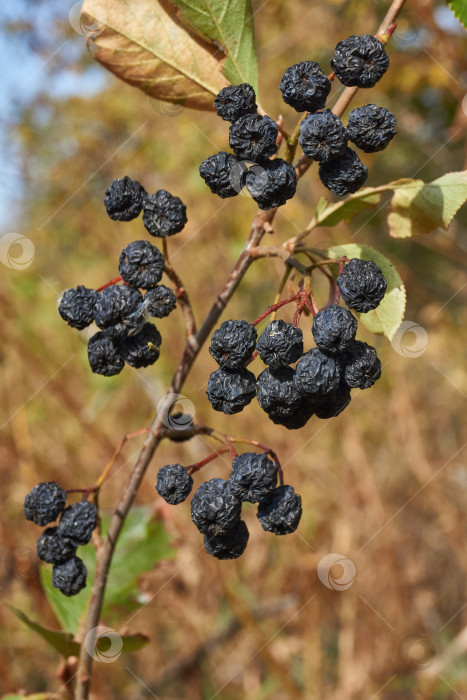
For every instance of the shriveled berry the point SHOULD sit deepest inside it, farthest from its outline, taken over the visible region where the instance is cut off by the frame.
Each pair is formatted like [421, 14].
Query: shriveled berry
[280, 344]
[233, 343]
[305, 87]
[174, 484]
[322, 136]
[317, 375]
[163, 214]
[252, 476]
[53, 548]
[344, 174]
[361, 366]
[142, 349]
[223, 174]
[76, 306]
[116, 303]
[69, 576]
[276, 391]
[295, 419]
[228, 546]
[230, 390]
[253, 136]
[77, 522]
[334, 329]
[360, 61]
[371, 128]
[141, 264]
[123, 199]
[44, 503]
[214, 509]
[104, 355]
[159, 301]
[235, 101]
[362, 285]
[334, 403]
[280, 511]
[272, 183]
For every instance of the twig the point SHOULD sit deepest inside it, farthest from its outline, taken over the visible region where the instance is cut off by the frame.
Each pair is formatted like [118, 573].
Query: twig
[180, 293]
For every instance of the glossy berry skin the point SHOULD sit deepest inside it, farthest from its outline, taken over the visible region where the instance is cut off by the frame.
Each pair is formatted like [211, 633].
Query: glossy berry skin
[334, 329]
[104, 355]
[344, 174]
[228, 546]
[142, 349]
[334, 403]
[280, 344]
[52, 548]
[69, 576]
[214, 509]
[276, 391]
[235, 101]
[223, 174]
[76, 306]
[371, 128]
[280, 511]
[141, 264]
[230, 390]
[252, 476]
[159, 301]
[360, 61]
[322, 136]
[174, 484]
[272, 183]
[233, 343]
[317, 375]
[116, 303]
[123, 199]
[361, 366]
[44, 503]
[77, 522]
[362, 285]
[163, 214]
[253, 137]
[305, 87]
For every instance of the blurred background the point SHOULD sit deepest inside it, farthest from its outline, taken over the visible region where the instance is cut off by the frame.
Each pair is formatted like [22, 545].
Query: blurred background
[384, 485]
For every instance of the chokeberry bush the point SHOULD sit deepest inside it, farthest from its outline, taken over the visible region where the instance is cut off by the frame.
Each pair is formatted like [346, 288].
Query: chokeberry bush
[294, 371]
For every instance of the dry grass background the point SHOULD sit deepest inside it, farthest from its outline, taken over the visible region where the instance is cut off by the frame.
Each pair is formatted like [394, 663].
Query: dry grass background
[384, 484]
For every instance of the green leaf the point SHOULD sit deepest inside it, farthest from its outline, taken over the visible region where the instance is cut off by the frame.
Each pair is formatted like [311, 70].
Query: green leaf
[387, 318]
[228, 25]
[62, 641]
[418, 208]
[145, 44]
[459, 9]
[69, 610]
[330, 214]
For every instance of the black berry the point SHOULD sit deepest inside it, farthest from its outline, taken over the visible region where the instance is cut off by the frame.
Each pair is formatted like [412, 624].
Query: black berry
[272, 183]
[235, 101]
[44, 503]
[230, 390]
[360, 61]
[371, 128]
[233, 343]
[174, 484]
[77, 522]
[296, 419]
[123, 199]
[104, 355]
[334, 403]
[334, 329]
[69, 576]
[141, 264]
[252, 476]
[305, 87]
[280, 344]
[322, 136]
[361, 366]
[223, 174]
[142, 349]
[163, 214]
[253, 137]
[280, 511]
[159, 301]
[277, 393]
[214, 509]
[228, 546]
[53, 548]
[362, 285]
[344, 174]
[115, 304]
[76, 306]
[317, 375]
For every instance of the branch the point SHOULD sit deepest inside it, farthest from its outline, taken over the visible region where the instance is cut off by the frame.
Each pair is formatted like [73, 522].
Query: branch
[180, 293]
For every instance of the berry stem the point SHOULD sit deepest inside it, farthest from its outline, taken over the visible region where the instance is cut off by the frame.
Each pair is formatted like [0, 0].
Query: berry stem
[108, 284]
[198, 465]
[180, 293]
[284, 279]
[119, 448]
[275, 307]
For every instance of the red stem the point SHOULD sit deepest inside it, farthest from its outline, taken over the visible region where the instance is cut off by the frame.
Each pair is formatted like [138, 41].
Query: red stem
[195, 467]
[108, 284]
[274, 307]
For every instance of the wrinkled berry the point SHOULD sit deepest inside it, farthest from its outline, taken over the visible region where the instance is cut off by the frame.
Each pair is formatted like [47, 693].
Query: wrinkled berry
[104, 355]
[371, 128]
[214, 509]
[235, 101]
[141, 264]
[53, 548]
[223, 174]
[230, 390]
[276, 391]
[69, 576]
[159, 301]
[174, 484]
[233, 343]
[253, 136]
[362, 285]
[272, 183]
[322, 136]
[76, 306]
[360, 61]
[77, 522]
[334, 403]
[115, 303]
[334, 329]
[44, 503]
[305, 87]
[344, 174]
[142, 349]
[163, 214]
[252, 476]
[280, 344]
[280, 511]
[317, 375]
[361, 366]
[123, 199]
[228, 546]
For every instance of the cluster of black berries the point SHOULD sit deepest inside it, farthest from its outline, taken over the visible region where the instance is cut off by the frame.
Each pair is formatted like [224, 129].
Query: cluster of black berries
[57, 545]
[216, 506]
[253, 139]
[321, 382]
[120, 311]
